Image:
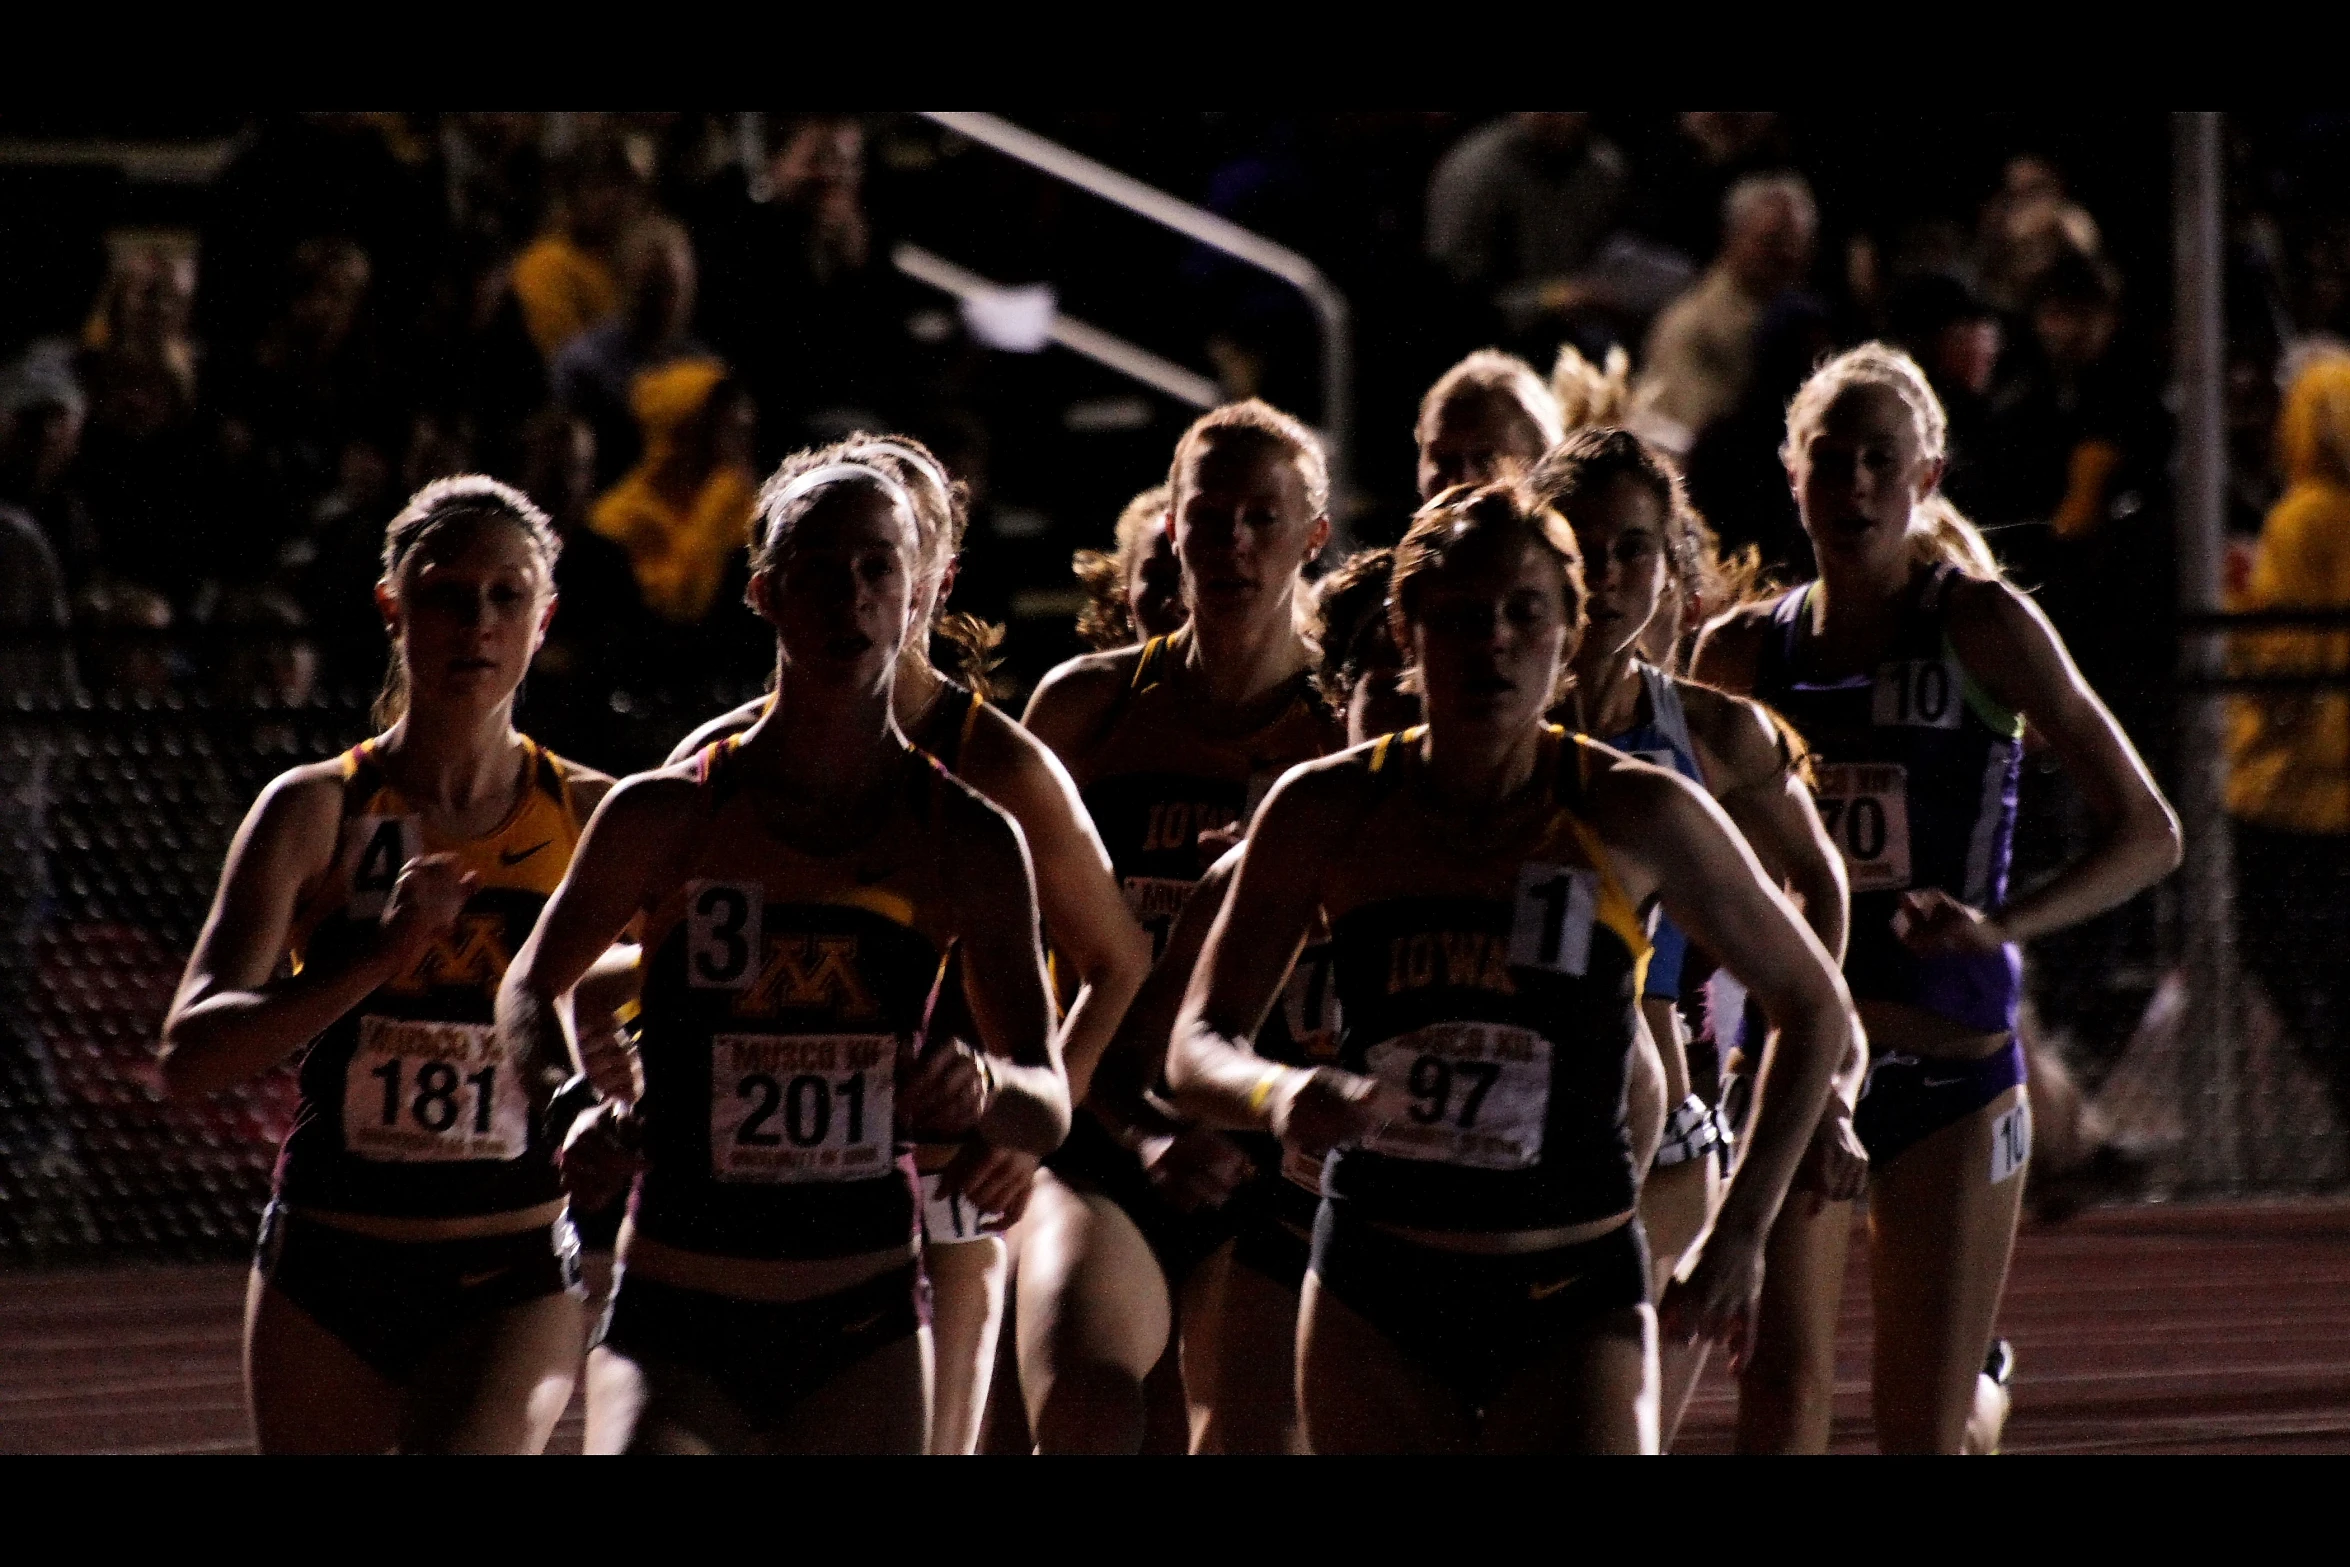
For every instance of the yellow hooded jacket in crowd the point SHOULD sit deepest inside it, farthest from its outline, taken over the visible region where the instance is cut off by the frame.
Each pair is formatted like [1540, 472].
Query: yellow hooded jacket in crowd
[2290, 749]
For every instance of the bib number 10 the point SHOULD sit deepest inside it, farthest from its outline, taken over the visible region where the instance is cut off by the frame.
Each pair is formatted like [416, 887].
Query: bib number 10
[1916, 693]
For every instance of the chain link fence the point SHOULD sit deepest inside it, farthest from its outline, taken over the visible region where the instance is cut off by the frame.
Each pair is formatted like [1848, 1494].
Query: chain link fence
[117, 809]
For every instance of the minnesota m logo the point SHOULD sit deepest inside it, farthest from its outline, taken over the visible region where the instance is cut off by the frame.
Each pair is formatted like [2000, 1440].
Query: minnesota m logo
[804, 972]
[473, 953]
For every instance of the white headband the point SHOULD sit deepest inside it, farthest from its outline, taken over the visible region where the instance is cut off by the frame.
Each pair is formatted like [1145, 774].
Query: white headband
[834, 473]
[928, 464]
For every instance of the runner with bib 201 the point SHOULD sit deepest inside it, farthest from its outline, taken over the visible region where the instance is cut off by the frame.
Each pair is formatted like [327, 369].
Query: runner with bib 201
[803, 885]
[1911, 669]
[1479, 1281]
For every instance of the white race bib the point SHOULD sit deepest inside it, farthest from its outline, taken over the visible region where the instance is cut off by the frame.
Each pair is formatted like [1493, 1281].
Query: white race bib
[1155, 901]
[2011, 1141]
[1550, 919]
[948, 1217]
[432, 1093]
[1480, 1095]
[1865, 807]
[376, 849]
[1309, 1004]
[1301, 1169]
[786, 1108]
[1916, 693]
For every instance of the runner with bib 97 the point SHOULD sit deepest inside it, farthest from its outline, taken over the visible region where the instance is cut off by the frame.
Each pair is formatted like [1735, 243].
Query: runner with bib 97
[1911, 668]
[804, 885]
[1479, 1281]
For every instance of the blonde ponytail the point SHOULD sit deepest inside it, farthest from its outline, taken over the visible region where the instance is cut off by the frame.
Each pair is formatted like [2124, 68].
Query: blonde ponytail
[1939, 532]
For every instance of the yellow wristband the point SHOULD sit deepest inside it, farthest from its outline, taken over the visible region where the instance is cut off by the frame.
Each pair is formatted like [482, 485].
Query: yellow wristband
[1263, 1092]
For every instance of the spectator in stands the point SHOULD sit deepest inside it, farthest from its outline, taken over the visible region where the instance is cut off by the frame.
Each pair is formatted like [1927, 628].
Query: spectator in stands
[1955, 336]
[1682, 182]
[42, 411]
[143, 460]
[2027, 226]
[1701, 350]
[1521, 206]
[1737, 479]
[595, 371]
[569, 278]
[314, 381]
[2289, 790]
[2076, 433]
[796, 290]
[36, 670]
[684, 512]
[593, 646]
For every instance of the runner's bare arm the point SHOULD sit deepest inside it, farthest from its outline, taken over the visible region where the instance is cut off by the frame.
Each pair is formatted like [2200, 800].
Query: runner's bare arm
[1085, 915]
[230, 1017]
[1764, 794]
[1678, 844]
[1004, 979]
[2011, 650]
[633, 840]
[1072, 702]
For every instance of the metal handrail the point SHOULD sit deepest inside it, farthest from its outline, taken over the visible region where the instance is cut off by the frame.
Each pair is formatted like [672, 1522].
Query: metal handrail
[1103, 348]
[1218, 234]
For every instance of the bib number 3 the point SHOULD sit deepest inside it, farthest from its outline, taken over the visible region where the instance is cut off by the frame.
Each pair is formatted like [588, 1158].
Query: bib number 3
[1480, 1095]
[787, 1108]
[1865, 807]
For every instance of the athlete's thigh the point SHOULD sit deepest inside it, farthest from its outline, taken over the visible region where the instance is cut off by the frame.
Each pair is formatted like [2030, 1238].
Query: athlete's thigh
[1090, 1290]
[1358, 1393]
[1675, 1204]
[1596, 1392]
[966, 1316]
[498, 1384]
[879, 1405]
[1786, 1390]
[308, 1390]
[653, 1406]
[1941, 1231]
[1239, 1358]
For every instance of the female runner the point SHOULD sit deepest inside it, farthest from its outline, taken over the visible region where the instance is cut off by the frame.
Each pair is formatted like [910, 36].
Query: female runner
[416, 1285]
[1240, 1312]
[973, 1193]
[1168, 741]
[1486, 418]
[1910, 668]
[1135, 591]
[804, 885]
[1479, 1281]
[1643, 547]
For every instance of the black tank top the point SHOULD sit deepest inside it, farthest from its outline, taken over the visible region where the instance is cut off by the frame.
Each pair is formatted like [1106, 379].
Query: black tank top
[408, 1108]
[1509, 1020]
[774, 1028]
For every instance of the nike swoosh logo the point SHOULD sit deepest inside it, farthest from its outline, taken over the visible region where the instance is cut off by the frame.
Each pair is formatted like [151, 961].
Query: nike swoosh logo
[1939, 1082]
[1545, 1291]
[466, 1281]
[855, 1328]
[517, 856]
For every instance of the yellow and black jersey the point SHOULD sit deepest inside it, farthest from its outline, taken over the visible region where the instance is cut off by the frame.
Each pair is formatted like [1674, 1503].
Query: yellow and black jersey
[1151, 797]
[781, 992]
[1506, 1010]
[408, 1107]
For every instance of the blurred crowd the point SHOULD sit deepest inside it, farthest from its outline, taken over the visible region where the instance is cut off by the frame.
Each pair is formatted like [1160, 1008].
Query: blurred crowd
[634, 315]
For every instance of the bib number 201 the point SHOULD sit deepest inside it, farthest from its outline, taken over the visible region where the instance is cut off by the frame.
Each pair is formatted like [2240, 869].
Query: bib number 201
[786, 1108]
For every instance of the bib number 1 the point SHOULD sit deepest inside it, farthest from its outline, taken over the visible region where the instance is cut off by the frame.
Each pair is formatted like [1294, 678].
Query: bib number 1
[1550, 918]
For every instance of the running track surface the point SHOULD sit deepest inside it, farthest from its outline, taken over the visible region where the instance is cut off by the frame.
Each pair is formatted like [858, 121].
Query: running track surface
[2157, 1329]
